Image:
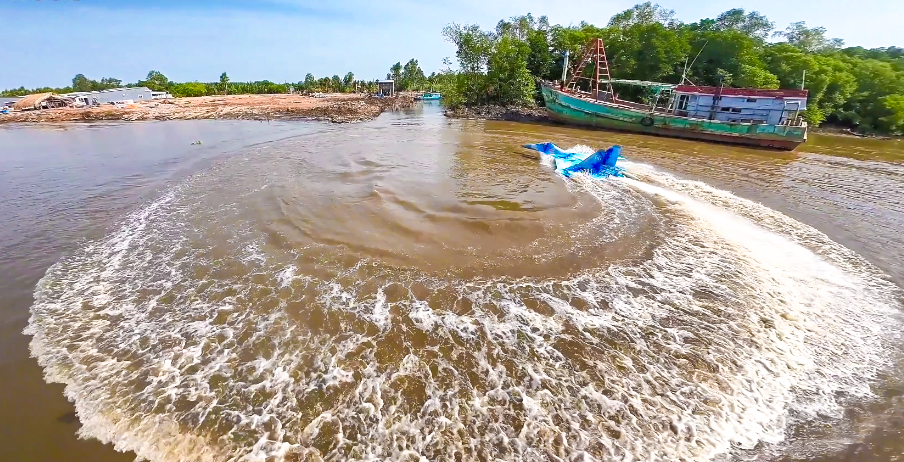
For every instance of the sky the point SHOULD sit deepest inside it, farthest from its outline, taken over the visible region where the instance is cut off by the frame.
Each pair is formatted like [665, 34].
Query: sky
[47, 42]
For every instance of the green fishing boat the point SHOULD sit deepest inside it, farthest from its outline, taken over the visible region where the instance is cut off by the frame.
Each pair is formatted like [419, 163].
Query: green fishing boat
[755, 117]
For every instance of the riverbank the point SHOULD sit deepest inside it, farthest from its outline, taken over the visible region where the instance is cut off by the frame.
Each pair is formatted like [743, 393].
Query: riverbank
[336, 108]
[831, 130]
[538, 114]
[507, 113]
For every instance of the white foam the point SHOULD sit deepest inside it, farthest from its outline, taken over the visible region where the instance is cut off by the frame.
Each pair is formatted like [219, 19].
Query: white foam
[181, 346]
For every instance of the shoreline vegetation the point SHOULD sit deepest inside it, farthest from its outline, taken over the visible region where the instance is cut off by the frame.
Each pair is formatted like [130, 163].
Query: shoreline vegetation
[332, 99]
[853, 91]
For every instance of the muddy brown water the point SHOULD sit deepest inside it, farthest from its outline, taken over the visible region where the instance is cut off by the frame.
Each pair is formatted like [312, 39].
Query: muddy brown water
[422, 288]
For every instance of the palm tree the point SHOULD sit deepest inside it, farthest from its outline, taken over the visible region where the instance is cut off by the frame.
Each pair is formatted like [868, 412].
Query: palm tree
[224, 79]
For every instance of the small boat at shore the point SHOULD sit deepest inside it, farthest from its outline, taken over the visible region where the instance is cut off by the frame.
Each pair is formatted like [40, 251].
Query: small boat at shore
[429, 96]
[748, 116]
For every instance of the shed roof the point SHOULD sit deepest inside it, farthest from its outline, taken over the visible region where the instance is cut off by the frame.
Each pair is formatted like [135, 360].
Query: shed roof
[750, 92]
[34, 101]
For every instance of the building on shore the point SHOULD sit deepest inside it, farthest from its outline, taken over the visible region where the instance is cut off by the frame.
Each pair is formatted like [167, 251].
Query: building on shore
[85, 98]
[89, 98]
[386, 87]
[42, 101]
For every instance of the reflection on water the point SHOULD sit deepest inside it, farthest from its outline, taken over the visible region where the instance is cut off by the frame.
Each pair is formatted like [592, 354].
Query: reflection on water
[417, 287]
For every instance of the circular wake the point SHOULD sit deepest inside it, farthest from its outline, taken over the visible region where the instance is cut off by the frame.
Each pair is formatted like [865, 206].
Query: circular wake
[196, 333]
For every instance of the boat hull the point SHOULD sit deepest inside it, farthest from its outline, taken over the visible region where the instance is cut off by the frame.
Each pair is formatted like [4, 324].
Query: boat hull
[569, 109]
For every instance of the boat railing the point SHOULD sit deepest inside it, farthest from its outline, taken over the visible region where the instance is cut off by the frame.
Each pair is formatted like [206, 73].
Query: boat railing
[791, 121]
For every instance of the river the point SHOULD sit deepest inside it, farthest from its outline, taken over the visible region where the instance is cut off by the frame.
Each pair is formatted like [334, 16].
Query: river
[418, 288]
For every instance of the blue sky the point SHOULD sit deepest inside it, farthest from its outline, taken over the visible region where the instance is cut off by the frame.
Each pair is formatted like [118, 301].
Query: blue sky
[46, 42]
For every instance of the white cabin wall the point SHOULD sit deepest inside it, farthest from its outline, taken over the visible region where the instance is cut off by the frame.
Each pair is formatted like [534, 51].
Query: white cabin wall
[764, 109]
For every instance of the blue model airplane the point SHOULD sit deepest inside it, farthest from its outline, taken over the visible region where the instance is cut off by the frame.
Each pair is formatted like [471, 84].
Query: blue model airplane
[600, 164]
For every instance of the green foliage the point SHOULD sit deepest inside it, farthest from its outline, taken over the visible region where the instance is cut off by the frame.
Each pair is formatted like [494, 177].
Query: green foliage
[81, 83]
[647, 51]
[189, 89]
[539, 60]
[642, 14]
[814, 115]
[395, 72]
[494, 66]
[810, 40]
[22, 91]
[853, 86]
[508, 80]
[894, 121]
[750, 76]
[156, 81]
[412, 77]
[728, 57]
[752, 24]
[110, 82]
[349, 81]
[875, 80]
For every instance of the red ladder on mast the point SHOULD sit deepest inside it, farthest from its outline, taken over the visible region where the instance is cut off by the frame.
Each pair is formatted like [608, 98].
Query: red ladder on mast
[594, 53]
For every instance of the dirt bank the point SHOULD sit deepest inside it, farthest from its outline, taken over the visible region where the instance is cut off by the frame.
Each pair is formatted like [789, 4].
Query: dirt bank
[338, 108]
[848, 132]
[512, 114]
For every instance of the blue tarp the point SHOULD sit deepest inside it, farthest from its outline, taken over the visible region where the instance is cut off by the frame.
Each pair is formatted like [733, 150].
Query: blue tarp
[600, 164]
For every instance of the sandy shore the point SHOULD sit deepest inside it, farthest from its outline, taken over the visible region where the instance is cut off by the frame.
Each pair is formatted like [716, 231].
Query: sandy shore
[338, 108]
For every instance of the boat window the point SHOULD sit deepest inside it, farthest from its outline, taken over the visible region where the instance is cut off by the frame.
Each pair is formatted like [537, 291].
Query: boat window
[751, 100]
[736, 109]
[726, 109]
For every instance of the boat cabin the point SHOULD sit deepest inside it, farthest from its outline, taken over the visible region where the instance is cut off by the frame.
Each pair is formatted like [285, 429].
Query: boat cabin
[739, 105]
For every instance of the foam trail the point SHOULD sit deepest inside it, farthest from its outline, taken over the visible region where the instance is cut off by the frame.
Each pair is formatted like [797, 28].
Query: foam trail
[209, 343]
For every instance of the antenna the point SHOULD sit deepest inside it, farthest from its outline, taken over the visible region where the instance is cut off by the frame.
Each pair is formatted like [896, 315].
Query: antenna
[684, 73]
[683, 76]
[803, 80]
[565, 67]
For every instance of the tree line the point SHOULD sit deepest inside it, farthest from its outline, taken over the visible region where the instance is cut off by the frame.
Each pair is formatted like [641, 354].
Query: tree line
[409, 77]
[848, 86]
[156, 81]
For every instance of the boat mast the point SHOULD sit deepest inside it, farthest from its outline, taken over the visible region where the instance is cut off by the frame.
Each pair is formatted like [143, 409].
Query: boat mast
[565, 67]
[596, 68]
[595, 54]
